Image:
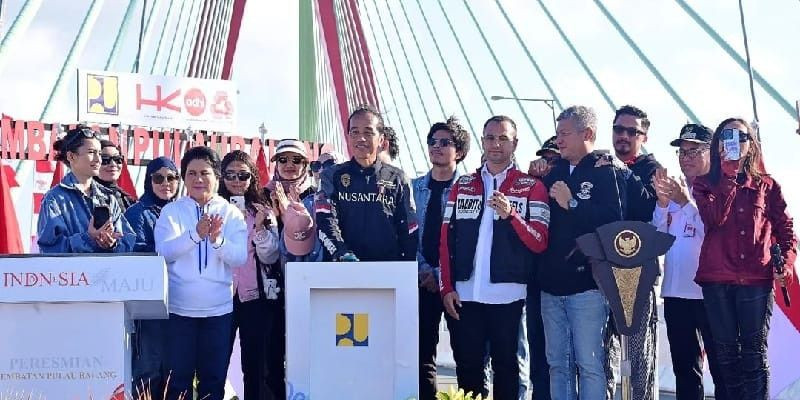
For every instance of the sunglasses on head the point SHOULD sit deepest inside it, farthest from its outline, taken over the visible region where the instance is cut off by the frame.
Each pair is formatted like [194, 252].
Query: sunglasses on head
[105, 160]
[242, 176]
[316, 166]
[629, 131]
[296, 160]
[159, 179]
[443, 142]
[83, 132]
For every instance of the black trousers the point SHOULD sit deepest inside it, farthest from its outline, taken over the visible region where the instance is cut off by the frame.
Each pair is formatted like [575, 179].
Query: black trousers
[539, 369]
[497, 324]
[430, 314]
[276, 356]
[254, 320]
[686, 326]
[739, 319]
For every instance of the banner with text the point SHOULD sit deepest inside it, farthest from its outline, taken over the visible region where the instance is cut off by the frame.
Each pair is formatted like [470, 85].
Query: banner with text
[156, 101]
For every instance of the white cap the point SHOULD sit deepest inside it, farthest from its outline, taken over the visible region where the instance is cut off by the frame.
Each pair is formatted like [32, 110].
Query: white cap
[290, 145]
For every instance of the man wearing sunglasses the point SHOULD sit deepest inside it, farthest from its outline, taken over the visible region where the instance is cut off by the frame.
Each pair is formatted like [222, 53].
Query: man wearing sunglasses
[629, 134]
[364, 208]
[448, 144]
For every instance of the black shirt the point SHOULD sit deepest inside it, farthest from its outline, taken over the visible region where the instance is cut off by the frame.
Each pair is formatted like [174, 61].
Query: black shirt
[433, 222]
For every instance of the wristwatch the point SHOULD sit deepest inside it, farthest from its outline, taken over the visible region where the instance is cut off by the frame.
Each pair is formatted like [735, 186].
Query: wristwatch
[572, 203]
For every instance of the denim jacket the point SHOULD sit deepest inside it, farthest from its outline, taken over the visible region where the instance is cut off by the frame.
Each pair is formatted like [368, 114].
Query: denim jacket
[422, 194]
[64, 219]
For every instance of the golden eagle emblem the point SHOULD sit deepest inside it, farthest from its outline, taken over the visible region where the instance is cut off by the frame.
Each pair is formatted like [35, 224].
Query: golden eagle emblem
[627, 243]
[345, 178]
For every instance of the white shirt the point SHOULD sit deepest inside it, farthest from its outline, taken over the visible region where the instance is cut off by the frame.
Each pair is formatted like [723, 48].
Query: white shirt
[200, 275]
[479, 287]
[681, 261]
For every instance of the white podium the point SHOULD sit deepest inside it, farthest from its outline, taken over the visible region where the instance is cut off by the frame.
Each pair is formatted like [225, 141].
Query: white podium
[352, 330]
[66, 321]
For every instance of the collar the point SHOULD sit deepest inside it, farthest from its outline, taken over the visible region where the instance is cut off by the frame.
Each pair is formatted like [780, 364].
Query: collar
[485, 170]
[366, 170]
[95, 189]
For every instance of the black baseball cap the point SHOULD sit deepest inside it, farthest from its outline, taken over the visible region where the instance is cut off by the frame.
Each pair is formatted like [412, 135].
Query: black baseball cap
[549, 145]
[695, 133]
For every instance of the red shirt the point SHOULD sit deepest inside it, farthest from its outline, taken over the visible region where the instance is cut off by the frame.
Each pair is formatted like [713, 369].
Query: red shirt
[740, 222]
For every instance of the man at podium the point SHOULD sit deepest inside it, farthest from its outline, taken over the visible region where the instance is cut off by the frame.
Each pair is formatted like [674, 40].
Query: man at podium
[364, 208]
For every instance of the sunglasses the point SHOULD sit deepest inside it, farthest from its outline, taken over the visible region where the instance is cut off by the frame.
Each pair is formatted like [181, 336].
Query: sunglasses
[105, 160]
[242, 176]
[296, 160]
[443, 142]
[629, 131]
[317, 166]
[84, 132]
[159, 179]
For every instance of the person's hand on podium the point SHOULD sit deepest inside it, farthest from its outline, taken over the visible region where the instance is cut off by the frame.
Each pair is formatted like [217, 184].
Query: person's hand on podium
[451, 300]
[348, 257]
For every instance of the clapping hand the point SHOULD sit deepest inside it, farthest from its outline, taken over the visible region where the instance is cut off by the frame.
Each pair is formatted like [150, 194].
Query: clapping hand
[216, 228]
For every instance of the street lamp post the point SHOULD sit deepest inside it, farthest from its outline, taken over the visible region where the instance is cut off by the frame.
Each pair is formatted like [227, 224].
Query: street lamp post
[548, 102]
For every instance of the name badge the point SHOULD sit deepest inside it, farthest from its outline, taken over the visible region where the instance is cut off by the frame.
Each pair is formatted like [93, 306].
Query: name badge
[689, 230]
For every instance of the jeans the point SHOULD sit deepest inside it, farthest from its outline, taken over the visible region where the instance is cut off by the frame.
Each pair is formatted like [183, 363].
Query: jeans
[253, 319]
[499, 325]
[539, 369]
[148, 357]
[524, 358]
[574, 328]
[739, 320]
[198, 346]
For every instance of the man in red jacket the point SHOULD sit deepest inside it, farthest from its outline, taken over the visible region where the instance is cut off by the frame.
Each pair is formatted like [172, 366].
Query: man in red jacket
[484, 281]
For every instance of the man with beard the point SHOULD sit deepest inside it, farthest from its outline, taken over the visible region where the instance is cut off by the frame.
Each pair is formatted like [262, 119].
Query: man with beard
[629, 135]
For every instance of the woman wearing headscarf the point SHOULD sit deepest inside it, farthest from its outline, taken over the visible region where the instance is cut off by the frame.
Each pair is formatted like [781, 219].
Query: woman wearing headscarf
[160, 187]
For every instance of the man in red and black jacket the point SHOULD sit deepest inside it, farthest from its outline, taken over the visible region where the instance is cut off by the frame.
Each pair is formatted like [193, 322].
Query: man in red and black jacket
[483, 280]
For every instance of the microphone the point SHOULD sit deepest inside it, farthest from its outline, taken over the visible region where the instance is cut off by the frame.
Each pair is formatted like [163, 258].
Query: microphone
[778, 263]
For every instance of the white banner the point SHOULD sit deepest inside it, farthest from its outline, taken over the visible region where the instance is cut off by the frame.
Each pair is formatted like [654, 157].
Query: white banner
[156, 101]
[138, 281]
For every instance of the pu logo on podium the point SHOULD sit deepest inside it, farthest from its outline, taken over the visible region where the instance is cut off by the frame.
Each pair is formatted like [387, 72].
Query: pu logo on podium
[102, 94]
[352, 330]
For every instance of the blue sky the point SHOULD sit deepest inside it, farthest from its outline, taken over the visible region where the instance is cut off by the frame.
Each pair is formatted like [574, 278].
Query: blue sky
[266, 65]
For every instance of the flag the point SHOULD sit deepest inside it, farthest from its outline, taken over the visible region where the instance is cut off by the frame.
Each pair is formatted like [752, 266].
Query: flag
[126, 183]
[10, 174]
[263, 168]
[10, 240]
[58, 174]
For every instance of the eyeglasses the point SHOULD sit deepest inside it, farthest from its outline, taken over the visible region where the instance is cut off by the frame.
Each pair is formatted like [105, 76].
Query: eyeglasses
[242, 175]
[296, 160]
[443, 142]
[159, 179]
[629, 131]
[691, 153]
[492, 138]
[105, 160]
[316, 166]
